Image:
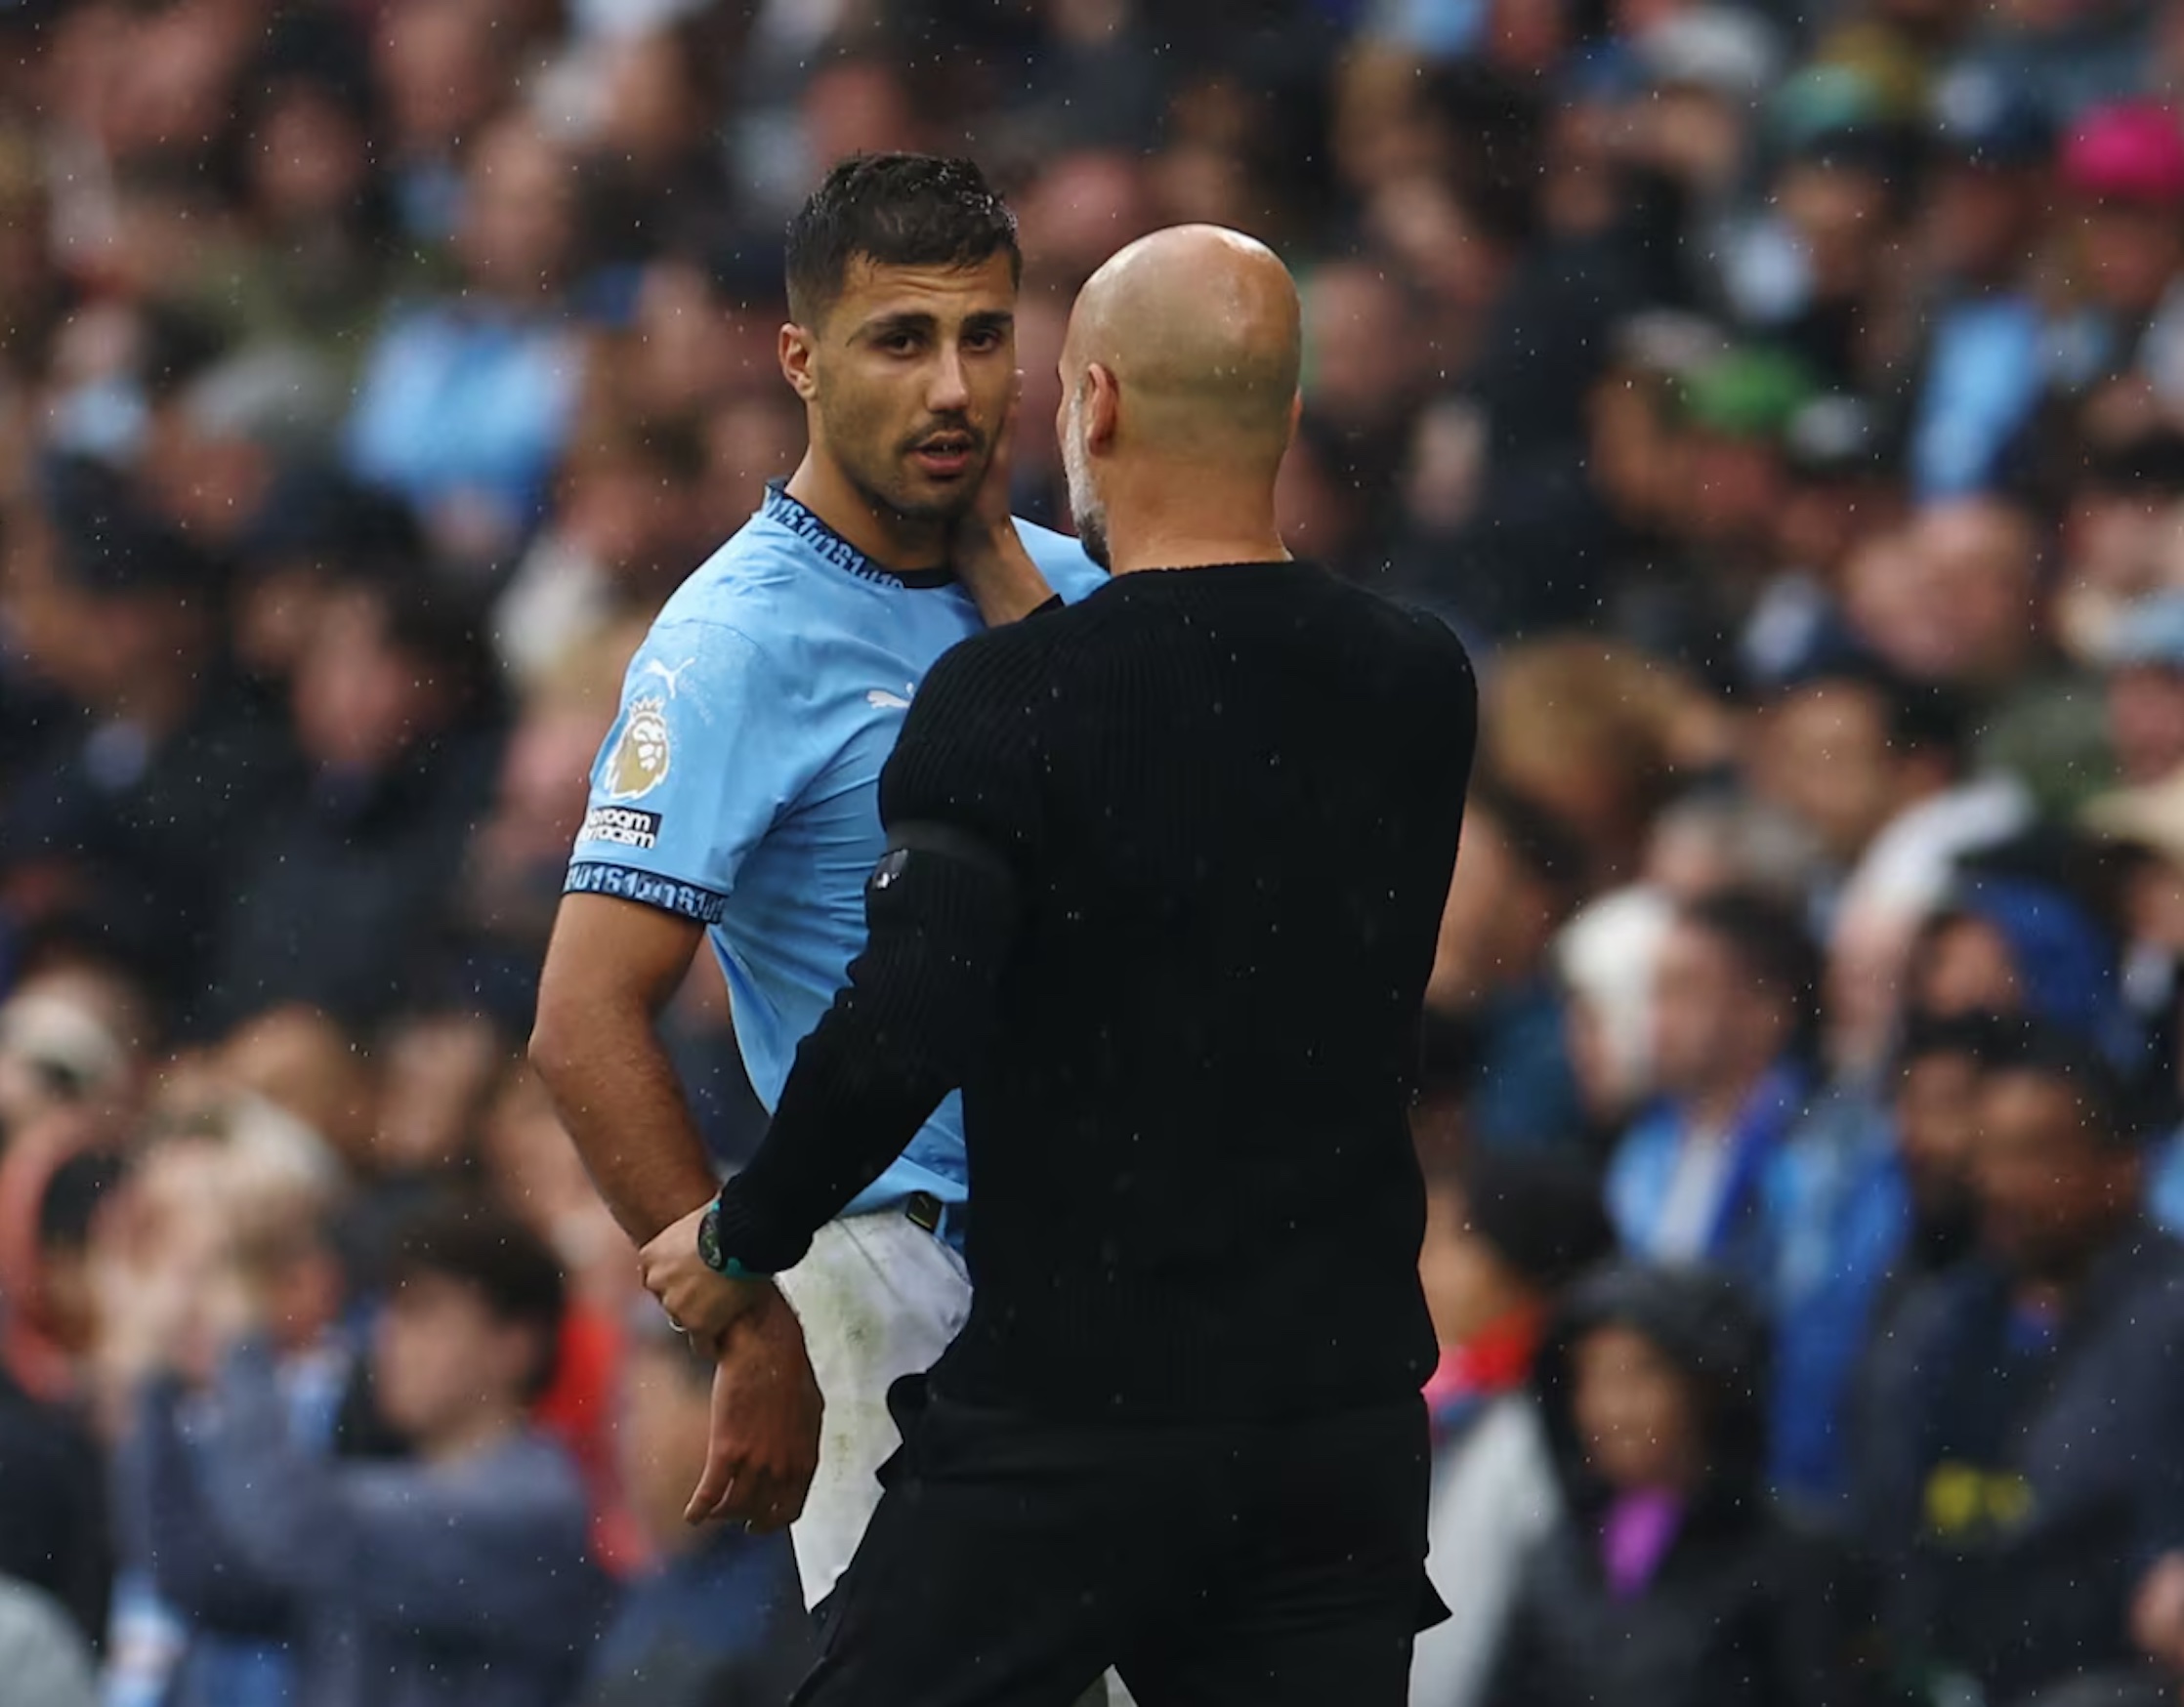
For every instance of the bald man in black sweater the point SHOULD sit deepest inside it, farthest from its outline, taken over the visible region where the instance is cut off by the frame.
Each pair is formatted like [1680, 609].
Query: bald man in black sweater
[1164, 879]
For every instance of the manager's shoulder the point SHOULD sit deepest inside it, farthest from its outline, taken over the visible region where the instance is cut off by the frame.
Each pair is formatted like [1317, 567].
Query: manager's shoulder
[1416, 641]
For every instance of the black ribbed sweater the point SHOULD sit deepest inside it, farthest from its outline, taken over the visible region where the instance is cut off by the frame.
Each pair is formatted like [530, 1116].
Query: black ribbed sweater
[1176, 860]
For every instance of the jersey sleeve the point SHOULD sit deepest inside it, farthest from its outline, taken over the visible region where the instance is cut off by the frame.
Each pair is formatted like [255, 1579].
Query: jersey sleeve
[691, 776]
[1062, 560]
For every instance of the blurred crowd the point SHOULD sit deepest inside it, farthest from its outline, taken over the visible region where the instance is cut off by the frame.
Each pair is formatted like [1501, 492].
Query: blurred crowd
[1786, 405]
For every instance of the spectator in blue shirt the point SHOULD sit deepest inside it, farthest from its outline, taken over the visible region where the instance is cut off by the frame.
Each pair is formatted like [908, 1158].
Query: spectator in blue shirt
[465, 403]
[1748, 1164]
[187, 1593]
[1982, 374]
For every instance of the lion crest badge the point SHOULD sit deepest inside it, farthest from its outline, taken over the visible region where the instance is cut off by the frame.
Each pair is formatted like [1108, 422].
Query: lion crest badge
[640, 760]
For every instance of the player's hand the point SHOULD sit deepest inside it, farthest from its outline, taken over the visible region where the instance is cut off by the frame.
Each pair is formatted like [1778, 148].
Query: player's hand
[986, 548]
[698, 1301]
[761, 1449]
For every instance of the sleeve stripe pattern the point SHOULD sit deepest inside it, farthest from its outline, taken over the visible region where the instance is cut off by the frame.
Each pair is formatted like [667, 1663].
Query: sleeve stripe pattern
[626, 883]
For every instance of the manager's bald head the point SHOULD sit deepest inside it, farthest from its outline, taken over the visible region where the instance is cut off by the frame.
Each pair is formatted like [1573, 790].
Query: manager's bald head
[1181, 364]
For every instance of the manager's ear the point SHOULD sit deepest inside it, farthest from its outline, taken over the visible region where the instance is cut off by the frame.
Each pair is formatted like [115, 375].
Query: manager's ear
[1296, 415]
[1103, 407]
[799, 351]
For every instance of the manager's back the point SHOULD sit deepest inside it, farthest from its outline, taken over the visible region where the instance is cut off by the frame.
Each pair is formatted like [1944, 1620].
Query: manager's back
[1231, 798]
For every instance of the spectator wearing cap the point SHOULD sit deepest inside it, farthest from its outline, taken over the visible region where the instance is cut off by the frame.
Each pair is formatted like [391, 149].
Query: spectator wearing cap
[128, 816]
[1505, 1236]
[1746, 1164]
[1839, 488]
[1735, 410]
[1518, 876]
[1979, 372]
[2017, 1456]
[2122, 169]
[2030, 929]
[1707, 69]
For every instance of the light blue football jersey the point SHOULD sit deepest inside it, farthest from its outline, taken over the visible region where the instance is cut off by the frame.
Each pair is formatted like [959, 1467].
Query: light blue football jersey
[740, 785]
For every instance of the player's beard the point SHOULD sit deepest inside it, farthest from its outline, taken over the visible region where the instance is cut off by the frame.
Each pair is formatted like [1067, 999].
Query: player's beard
[1088, 510]
[881, 471]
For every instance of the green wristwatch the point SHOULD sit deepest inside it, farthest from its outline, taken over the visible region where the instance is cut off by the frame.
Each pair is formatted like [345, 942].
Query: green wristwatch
[709, 1250]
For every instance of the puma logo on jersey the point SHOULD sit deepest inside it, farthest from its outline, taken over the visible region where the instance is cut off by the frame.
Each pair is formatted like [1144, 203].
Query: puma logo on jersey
[673, 678]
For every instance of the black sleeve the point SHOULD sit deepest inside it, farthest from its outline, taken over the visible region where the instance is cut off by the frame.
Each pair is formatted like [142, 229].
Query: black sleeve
[941, 914]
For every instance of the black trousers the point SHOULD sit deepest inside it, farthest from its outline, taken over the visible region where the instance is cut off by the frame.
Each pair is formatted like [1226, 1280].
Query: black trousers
[1012, 1561]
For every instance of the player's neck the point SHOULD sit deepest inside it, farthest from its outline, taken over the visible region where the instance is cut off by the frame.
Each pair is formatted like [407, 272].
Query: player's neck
[892, 541]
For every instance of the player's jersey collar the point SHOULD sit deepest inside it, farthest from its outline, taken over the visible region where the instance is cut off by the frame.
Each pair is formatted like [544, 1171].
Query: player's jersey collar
[780, 507]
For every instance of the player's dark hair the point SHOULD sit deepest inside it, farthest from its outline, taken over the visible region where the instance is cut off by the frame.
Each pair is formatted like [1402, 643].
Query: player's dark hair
[1769, 940]
[480, 1246]
[894, 210]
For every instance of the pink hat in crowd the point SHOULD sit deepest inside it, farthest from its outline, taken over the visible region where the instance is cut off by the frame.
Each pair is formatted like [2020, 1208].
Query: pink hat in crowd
[2132, 151]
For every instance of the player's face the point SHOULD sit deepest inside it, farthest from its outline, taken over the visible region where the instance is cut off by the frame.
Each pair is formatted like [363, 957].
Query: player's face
[914, 369]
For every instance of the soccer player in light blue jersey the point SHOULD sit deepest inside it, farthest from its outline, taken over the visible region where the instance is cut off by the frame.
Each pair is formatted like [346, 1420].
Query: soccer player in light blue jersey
[735, 803]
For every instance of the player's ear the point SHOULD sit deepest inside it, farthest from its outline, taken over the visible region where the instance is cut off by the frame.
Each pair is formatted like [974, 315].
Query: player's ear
[1102, 405]
[797, 349]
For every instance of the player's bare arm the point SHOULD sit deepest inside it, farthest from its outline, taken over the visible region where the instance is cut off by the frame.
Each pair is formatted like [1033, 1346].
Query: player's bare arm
[611, 968]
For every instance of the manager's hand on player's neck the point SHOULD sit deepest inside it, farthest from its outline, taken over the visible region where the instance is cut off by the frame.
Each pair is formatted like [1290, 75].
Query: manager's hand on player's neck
[1178, 386]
